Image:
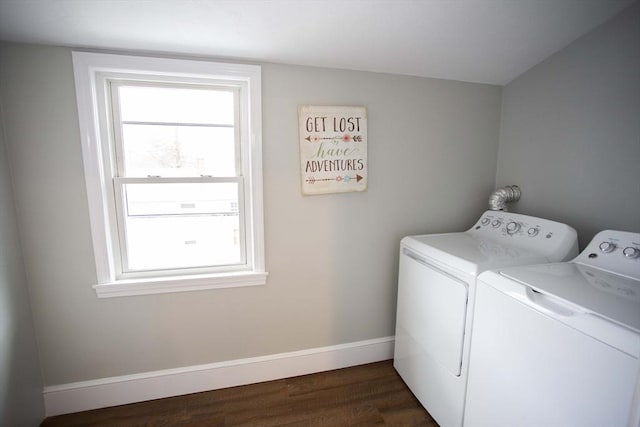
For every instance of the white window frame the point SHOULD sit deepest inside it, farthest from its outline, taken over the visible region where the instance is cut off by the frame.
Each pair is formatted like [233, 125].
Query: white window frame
[93, 72]
[121, 178]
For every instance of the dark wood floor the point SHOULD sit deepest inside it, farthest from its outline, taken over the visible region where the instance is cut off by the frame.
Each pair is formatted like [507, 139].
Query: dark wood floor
[364, 395]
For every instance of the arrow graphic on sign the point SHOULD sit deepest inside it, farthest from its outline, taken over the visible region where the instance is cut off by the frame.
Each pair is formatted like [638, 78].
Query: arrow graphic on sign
[345, 138]
[346, 178]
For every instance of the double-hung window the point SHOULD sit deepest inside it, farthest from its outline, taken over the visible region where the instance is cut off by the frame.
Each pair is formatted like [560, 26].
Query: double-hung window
[171, 150]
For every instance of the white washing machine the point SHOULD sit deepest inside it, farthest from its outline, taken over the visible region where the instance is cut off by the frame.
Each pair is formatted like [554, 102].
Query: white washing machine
[558, 345]
[436, 289]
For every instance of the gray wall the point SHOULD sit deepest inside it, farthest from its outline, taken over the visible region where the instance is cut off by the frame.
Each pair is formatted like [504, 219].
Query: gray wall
[332, 259]
[21, 402]
[570, 132]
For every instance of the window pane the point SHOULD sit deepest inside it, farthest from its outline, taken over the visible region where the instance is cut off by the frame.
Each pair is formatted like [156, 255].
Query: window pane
[178, 151]
[182, 225]
[176, 105]
[182, 198]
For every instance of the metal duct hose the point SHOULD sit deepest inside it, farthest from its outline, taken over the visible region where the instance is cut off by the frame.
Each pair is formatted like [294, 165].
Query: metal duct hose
[502, 196]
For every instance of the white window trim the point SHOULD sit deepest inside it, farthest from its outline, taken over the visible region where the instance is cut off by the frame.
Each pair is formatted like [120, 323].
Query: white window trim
[87, 69]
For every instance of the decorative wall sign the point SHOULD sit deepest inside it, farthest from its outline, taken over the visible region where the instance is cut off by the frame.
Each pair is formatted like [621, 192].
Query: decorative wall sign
[333, 149]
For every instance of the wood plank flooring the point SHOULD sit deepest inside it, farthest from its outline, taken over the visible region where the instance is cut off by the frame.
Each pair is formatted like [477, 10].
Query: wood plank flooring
[366, 395]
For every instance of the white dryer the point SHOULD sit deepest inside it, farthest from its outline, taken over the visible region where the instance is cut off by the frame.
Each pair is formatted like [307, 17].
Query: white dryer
[436, 289]
[558, 345]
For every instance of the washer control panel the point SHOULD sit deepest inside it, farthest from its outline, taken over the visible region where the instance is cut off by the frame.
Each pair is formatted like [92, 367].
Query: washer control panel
[615, 251]
[607, 247]
[527, 232]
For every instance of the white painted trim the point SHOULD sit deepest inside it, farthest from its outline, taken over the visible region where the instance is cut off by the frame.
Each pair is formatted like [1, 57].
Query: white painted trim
[86, 395]
[147, 286]
[90, 73]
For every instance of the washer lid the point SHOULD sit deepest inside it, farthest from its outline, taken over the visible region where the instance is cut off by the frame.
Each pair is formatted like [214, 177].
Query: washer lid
[471, 253]
[608, 295]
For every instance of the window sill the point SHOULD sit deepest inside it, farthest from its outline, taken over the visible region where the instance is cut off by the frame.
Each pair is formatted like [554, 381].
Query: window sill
[162, 285]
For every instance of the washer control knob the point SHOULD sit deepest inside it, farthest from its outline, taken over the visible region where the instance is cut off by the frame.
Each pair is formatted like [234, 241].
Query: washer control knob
[496, 223]
[607, 247]
[533, 232]
[513, 227]
[631, 252]
[485, 221]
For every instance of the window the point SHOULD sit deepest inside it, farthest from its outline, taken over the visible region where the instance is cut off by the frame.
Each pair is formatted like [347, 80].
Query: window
[172, 158]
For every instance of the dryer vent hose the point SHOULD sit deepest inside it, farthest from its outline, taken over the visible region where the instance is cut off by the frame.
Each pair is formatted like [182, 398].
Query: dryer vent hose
[502, 196]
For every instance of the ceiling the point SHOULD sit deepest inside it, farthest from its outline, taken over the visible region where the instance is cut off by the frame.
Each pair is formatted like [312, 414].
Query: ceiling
[486, 41]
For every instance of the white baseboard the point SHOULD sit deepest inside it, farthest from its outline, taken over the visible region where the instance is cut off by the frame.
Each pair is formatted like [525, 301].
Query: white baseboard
[101, 393]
